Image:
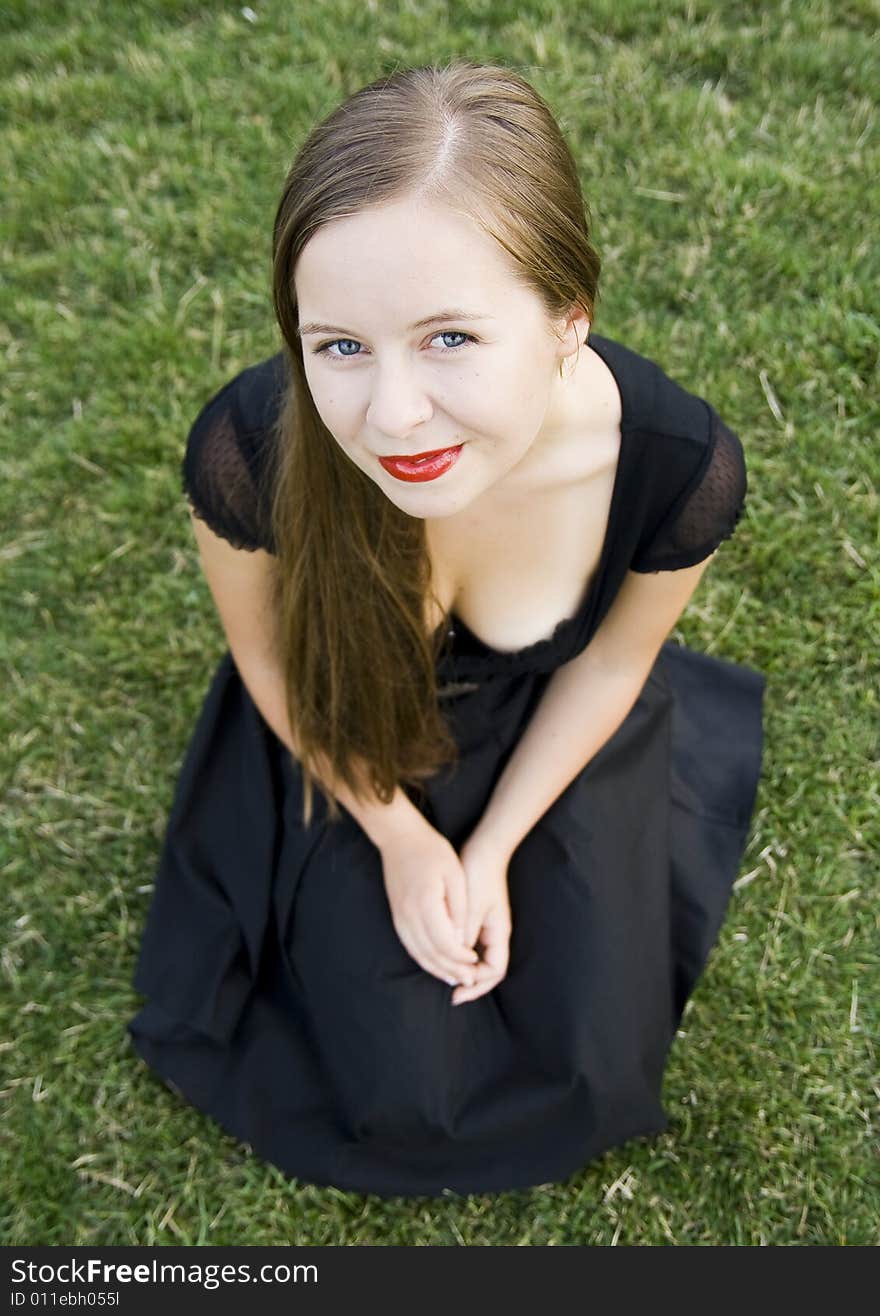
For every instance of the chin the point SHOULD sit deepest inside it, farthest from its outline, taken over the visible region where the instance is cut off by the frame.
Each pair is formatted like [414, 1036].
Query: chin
[438, 508]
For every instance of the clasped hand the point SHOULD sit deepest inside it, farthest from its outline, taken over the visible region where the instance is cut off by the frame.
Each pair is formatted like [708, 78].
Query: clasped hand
[445, 904]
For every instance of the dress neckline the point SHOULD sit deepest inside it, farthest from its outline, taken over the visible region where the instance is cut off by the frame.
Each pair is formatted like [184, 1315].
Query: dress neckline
[458, 625]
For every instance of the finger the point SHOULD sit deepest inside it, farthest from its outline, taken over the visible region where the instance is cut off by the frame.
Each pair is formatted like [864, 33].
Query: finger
[485, 975]
[496, 941]
[462, 994]
[444, 967]
[420, 941]
[472, 929]
[445, 941]
[487, 926]
[482, 972]
[453, 974]
[418, 948]
[493, 939]
[453, 965]
[458, 977]
[496, 954]
[455, 977]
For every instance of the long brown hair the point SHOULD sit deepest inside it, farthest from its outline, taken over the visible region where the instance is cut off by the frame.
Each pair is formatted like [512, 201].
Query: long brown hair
[354, 576]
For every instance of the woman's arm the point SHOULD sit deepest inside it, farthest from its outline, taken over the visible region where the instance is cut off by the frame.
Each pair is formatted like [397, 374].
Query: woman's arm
[585, 702]
[241, 582]
[423, 876]
[383, 823]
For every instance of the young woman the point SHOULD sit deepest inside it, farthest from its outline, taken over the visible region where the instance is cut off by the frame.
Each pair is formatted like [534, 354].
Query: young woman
[458, 824]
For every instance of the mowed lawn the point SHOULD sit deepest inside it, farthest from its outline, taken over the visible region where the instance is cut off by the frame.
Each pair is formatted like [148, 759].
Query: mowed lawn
[729, 156]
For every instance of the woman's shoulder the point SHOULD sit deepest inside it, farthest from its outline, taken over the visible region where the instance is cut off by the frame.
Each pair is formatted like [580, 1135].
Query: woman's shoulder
[689, 464]
[249, 399]
[654, 400]
[227, 460]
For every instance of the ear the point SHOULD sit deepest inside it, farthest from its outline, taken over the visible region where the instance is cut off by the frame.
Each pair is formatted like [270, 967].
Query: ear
[574, 330]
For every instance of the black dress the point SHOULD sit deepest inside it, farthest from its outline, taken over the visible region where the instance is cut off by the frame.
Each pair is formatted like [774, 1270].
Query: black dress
[281, 1001]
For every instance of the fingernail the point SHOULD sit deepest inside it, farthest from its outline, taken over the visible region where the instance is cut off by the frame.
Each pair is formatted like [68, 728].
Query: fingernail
[450, 982]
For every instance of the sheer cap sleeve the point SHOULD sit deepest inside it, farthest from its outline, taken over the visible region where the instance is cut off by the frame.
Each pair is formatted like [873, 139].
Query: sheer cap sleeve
[707, 510]
[224, 473]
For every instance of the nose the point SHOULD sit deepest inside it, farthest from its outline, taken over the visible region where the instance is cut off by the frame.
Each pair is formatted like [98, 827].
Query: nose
[398, 402]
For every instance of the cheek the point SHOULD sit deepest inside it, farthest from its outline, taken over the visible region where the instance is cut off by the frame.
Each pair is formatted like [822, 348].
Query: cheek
[529, 381]
[330, 401]
[485, 399]
[516, 388]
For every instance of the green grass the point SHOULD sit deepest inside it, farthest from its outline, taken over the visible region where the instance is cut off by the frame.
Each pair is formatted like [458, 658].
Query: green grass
[726, 151]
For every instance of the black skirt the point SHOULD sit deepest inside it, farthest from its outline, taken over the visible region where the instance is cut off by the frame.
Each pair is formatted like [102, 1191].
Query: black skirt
[281, 1002]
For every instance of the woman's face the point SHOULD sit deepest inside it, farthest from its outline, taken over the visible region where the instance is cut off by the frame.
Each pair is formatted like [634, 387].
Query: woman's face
[482, 374]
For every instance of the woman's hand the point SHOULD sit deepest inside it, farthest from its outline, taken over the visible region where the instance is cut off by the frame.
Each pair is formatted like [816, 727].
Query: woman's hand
[488, 914]
[425, 885]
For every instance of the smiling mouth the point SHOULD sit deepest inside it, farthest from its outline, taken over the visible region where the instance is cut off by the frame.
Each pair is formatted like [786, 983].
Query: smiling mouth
[426, 466]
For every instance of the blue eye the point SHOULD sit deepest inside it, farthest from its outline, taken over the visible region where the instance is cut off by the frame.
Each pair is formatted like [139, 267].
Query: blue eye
[324, 346]
[443, 333]
[454, 333]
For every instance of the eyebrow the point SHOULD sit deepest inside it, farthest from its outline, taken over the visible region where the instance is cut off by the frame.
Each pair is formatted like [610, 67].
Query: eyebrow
[455, 313]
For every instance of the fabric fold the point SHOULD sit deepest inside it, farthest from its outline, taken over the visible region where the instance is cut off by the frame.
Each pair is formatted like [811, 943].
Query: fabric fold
[203, 941]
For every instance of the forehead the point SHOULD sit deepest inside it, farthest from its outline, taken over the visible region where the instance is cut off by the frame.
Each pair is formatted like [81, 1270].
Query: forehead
[400, 258]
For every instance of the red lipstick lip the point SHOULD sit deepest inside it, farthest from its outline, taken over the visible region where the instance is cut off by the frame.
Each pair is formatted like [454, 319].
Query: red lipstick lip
[434, 464]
